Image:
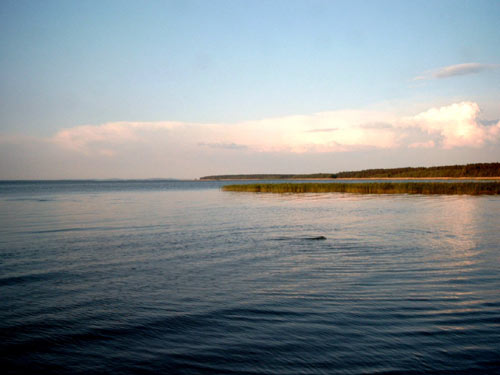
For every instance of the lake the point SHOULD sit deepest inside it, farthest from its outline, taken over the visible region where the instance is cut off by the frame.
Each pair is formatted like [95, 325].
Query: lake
[179, 277]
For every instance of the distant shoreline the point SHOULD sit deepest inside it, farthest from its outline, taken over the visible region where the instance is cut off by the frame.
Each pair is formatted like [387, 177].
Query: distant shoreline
[474, 171]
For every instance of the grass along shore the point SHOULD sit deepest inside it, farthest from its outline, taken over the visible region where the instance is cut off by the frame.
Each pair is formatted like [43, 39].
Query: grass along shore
[468, 188]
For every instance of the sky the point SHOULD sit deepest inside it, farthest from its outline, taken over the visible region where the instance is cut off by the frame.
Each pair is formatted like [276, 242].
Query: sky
[184, 89]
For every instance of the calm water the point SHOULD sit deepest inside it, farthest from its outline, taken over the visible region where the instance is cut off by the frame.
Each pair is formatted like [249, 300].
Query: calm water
[182, 278]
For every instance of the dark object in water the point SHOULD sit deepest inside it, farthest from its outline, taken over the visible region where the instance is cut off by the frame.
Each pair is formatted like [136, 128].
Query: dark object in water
[313, 238]
[318, 238]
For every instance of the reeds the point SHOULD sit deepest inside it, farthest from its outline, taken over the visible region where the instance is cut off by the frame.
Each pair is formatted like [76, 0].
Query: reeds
[469, 188]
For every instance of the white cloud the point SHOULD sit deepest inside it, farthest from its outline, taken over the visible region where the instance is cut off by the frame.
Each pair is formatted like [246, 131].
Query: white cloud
[323, 130]
[290, 143]
[428, 144]
[457, 70]
[295, 134]
[86, 138]
[224, 146]
[455, 125]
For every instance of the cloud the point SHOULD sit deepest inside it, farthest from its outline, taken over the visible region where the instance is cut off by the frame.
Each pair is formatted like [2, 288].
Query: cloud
[322, 130]
[224, 146]
[428, 144]
[455, 125]
[88, 138]
[457, 70]
[376, 125]
[490, 122]
[183, 149]
[271, 145]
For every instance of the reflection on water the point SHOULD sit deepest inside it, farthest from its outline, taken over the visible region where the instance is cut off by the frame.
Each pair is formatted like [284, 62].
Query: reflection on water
[194, 281]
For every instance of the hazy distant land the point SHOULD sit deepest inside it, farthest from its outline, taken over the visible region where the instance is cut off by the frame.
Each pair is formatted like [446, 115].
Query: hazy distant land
[468, 171]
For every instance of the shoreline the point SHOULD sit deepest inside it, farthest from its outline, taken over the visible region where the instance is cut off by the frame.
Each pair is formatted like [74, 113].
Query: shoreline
[356, 179]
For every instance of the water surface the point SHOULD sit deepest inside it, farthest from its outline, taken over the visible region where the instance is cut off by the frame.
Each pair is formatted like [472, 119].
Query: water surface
[182, 278]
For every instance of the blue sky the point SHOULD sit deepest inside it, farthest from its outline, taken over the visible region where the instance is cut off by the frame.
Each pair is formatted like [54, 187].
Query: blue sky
[212, 67]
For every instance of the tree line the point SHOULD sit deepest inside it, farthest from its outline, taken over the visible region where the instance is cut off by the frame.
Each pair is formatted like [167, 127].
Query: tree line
[453, 171]
[468, 170]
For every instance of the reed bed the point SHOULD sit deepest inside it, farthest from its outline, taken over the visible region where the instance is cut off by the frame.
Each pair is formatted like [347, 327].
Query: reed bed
[468, 188]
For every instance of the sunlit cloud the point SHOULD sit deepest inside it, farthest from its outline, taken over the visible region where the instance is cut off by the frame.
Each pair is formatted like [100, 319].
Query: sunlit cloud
[290, 143]
[457, 70]
[224, 146]
[321, 132]
[145, 149]
[85, 138]
[376, 125]
[455, 125]
[428, 144]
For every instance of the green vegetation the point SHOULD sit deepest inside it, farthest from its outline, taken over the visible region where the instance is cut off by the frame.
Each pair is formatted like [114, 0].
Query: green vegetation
[454, 171]
[483, 170]
[470, 188]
